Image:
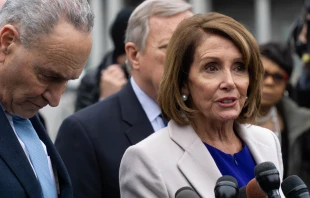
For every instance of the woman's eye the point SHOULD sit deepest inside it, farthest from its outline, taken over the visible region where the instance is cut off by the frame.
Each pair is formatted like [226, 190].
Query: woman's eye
[241, 67]
[163, 47]
[210, 67]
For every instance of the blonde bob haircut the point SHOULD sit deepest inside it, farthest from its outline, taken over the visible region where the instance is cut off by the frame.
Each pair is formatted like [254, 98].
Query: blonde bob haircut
[180, 55]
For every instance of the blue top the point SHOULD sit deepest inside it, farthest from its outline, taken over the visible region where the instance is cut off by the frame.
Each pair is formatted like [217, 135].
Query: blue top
[241, 165]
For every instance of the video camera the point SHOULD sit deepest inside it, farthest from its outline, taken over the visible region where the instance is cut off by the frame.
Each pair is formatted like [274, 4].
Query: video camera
[300, 34]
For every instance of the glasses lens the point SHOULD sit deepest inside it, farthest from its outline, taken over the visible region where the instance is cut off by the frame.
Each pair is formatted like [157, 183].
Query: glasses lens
[277, 78]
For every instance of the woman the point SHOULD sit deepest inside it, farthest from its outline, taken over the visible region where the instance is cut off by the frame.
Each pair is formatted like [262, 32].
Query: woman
[211, 86]
[281, 115]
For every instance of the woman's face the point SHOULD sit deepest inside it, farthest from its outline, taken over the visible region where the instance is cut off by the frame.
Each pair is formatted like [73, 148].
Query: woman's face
[274, 83]
[218, 80]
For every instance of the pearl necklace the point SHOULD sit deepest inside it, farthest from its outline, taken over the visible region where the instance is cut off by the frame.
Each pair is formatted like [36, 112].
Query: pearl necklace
[264, 119]
[272, 114]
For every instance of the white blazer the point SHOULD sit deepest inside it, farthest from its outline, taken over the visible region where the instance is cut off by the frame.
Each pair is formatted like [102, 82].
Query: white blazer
[175, 157]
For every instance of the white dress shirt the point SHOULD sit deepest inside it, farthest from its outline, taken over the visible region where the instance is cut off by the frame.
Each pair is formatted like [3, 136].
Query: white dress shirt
[149, 106]
[26, 151]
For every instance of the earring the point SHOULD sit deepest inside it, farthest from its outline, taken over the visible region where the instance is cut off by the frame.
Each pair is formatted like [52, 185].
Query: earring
[286, 94]
[184, 97]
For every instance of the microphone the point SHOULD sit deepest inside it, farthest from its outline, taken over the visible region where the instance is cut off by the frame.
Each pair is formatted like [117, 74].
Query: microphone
[226, 187]
[294, 187]
[186, 192]
[253, 190]
[268, 179]
[242, 192]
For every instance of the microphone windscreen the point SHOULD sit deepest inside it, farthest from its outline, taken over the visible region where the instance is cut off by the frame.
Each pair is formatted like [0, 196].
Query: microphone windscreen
[263, 167]
[242, 192]
[253, 190]
[268, 177]
[293, 186]
[186, 192]
[227, 179]
[226, 186]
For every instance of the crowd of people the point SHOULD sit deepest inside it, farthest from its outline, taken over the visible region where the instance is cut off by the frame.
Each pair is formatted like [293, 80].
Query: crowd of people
[182, 100]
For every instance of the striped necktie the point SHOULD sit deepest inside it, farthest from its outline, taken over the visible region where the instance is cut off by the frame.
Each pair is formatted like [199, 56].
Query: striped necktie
[164, 120]
[37, 155]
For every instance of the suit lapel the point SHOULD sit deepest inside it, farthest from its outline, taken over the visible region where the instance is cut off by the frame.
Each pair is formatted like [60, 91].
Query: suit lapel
[134, 116]
[259, 151]
[197, 165]
[13, 154]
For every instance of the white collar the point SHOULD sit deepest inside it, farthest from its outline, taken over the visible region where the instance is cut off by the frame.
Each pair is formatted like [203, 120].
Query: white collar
[149, 106]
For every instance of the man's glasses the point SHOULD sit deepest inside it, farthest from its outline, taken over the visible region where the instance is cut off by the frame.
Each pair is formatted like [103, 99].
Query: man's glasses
[276, 77]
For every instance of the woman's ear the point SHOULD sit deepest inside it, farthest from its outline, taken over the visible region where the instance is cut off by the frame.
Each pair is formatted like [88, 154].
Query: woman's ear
[185, 89]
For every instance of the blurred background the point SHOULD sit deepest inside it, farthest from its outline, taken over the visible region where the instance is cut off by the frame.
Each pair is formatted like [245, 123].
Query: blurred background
[267, 20]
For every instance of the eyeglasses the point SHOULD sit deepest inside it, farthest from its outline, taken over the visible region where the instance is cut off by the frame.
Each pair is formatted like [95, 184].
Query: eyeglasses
[276, 77]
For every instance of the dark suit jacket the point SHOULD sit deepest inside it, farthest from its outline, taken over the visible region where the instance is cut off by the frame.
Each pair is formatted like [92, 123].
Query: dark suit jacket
[92, 142]
[17, 179]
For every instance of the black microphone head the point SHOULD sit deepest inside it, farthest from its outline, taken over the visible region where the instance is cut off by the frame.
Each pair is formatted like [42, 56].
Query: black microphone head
[262, 167]
[267, 176]
[186, 192]
[226, 186]
[293, 187]
[242, 192]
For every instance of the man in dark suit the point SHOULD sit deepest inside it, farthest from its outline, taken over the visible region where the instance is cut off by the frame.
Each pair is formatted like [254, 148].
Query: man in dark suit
[93, 140]
[43, 44]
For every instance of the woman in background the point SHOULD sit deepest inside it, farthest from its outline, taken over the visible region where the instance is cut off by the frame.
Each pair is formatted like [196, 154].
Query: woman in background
[283, 116]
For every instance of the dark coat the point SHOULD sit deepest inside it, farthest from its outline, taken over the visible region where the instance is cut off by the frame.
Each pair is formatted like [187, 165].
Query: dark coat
[17, 179]
[295, 139]
[92, 142]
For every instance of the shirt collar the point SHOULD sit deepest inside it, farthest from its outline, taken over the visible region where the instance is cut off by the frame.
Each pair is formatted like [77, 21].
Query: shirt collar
[149, 106]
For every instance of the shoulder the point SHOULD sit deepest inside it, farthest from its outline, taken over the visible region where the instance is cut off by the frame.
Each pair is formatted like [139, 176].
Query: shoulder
[263, 144]
[151, 151]
[158, 146]
[157, 141]
[263, 141]
[99, 112]
[147, 167]
[166, 144]
[297, 118]
[293, 112]
[257, 134]
[254, 129]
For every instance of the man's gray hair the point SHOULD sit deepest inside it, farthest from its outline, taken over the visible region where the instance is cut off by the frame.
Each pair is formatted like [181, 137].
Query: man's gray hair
[138, 24]
[36, 18]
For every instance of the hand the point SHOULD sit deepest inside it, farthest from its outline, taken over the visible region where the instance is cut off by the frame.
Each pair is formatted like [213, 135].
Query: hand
[303, 34]
[112, 80]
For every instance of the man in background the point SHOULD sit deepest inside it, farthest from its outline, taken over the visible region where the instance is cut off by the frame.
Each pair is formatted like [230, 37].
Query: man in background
[43, 44]
[111, 75]
[93, 140]
[300, 36]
